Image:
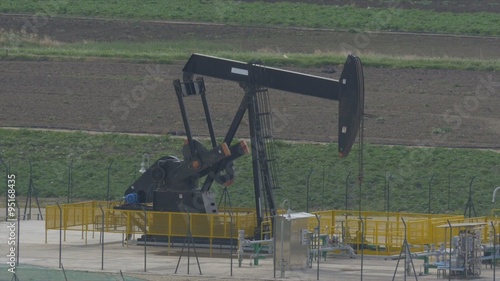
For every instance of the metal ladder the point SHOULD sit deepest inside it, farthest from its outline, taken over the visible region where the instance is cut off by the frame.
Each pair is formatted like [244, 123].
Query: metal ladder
[265, 123]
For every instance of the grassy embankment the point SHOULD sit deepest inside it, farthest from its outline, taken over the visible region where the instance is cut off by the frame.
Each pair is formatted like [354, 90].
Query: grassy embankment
[408, 170]
[347, 18]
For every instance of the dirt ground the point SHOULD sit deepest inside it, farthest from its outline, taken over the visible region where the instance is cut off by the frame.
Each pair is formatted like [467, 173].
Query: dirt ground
[452, 108]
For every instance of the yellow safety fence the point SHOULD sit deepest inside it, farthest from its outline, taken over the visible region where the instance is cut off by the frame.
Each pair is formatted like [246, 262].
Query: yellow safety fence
[383, 233]
[380, 233]
[94, 216]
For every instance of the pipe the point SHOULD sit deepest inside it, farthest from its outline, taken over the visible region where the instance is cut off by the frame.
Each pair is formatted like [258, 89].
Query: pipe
[494, 193]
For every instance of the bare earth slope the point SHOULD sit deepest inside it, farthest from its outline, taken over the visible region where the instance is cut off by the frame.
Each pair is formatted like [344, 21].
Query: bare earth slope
[404, 106]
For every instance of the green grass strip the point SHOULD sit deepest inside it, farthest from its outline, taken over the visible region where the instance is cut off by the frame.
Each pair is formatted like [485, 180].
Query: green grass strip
[258, 13]
[161, 52]
[408, 170]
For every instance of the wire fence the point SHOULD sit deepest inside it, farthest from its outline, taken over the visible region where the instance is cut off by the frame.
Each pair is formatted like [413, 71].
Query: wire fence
[38, 273]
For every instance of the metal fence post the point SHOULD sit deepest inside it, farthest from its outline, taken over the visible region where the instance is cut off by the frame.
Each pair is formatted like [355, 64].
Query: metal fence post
[60, 235]
[494, 261]
[145, 236]
[102, 238]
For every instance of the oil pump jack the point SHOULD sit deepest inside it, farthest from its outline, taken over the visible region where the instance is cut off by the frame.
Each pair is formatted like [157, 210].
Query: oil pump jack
[172, 185]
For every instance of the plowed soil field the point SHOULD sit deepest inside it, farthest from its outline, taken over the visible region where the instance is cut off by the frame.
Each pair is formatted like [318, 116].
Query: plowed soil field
[451, 108]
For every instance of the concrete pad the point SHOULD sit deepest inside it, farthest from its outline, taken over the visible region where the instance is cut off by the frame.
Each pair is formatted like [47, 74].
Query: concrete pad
[78, 253]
